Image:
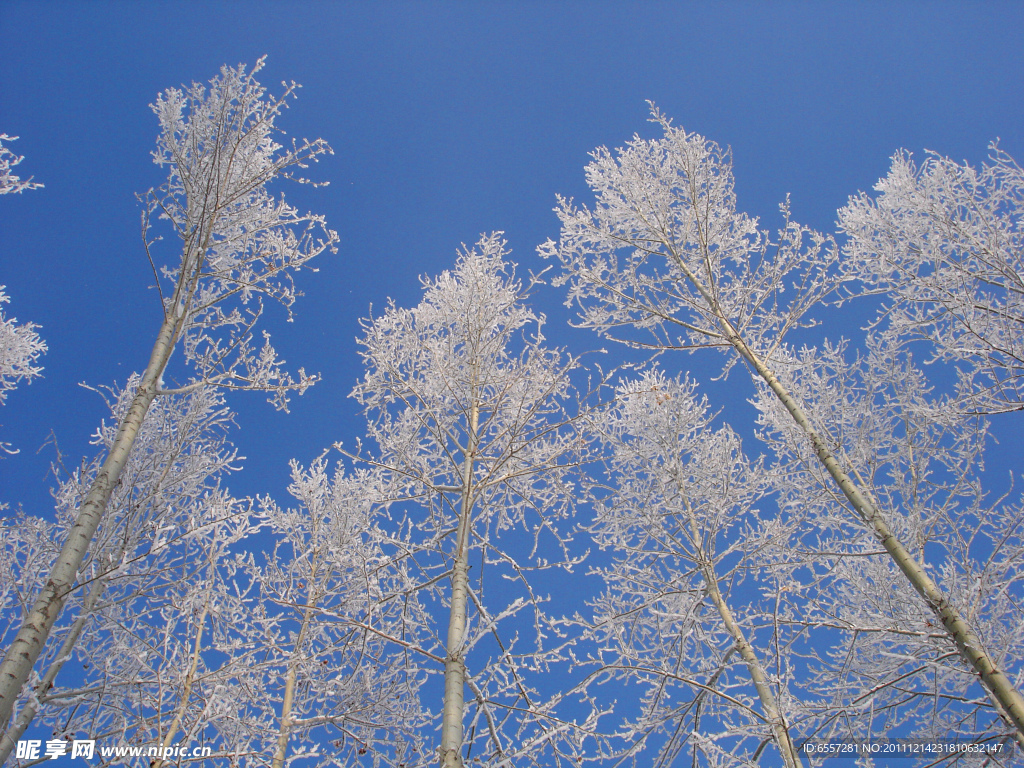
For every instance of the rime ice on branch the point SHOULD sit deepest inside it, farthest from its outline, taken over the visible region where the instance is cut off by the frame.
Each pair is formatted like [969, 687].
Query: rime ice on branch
[20, 347]
[944, 244]
[165, 513]
[875, 656]
[676, 509]
[9, 183]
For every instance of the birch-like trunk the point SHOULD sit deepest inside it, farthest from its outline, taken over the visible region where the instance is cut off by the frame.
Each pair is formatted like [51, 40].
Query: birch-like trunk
[770, 705]
[190, 678]
[455, 663]
[31, 708]
[291, 679]
[28, 644]
[186, 693]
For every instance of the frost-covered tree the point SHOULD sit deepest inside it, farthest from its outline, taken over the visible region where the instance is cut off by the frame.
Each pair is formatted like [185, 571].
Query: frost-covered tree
[28, 549]
[944, 244]
[665, 261]
[676, 509]
[263, 658]
[169, 496]
[151, 671]
[9, 183]
[888, 664]
[329, 628]
[468, 410]
[239, 245]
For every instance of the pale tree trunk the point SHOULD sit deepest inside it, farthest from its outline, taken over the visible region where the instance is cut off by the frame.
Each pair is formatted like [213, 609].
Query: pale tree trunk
[31, 708]
[186, 692]
[28, 644]
[291, 678]
[780, 730]
[455, 662]
[966, 639]
[190, 678]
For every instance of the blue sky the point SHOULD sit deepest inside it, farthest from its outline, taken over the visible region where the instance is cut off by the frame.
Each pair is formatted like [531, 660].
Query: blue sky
[448, 120]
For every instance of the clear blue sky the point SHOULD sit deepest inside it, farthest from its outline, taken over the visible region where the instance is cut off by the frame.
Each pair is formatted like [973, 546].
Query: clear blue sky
[448, 119]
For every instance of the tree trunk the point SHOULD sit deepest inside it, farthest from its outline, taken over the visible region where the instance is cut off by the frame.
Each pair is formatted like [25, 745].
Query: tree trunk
[291, 678]
[780, 730]
[31, 638]
[764, 691]
[11, 736]
[31, 708]
[455, 664]
[190, 678]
